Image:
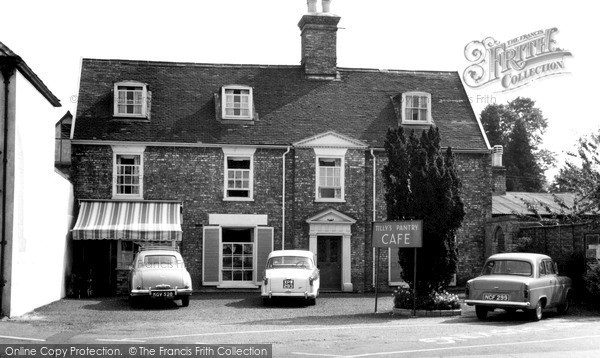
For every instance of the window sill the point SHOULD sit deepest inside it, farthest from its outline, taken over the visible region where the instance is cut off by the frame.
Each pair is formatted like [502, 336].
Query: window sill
[240, 284]
[417, 123]
[124, 117]
[127, 197]
[238, 199]
[330, 200]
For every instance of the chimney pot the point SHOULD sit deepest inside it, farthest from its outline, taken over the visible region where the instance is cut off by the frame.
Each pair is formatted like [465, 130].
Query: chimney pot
[312, 6]
[497, 152]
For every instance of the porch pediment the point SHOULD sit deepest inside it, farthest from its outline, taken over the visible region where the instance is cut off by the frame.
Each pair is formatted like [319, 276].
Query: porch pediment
[330, 216]
[330, 139]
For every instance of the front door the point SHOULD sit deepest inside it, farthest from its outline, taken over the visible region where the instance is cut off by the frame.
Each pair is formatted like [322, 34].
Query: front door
[329, 262]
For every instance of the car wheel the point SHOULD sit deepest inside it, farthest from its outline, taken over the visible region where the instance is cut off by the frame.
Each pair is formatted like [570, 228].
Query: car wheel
[564, 308]
[481, 312]
[185, 301]
[536, 313]
[312, 301]
[267, 301]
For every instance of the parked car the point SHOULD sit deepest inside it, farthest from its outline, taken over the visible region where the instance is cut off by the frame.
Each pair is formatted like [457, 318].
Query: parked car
[291, 273]
[525, 281]
[159, 273]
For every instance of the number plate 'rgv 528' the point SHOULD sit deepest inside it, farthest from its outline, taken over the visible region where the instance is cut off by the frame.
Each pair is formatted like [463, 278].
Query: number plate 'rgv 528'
[166, 294]
[288, 284]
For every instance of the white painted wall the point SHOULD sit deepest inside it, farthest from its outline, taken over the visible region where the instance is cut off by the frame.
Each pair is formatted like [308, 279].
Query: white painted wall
[42, 209]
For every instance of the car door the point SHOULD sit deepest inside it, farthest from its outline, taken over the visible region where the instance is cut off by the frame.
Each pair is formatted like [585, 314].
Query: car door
[553, 283]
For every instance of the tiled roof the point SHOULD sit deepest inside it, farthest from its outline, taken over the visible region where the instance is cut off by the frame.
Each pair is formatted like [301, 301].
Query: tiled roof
[516, 203]
[290, 107]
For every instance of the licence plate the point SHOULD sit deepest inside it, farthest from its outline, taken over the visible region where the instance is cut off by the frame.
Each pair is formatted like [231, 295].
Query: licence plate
[288, 284]
[496, 297]
[163, 294]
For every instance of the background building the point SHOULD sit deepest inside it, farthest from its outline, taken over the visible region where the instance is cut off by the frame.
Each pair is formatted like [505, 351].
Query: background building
[37, 201]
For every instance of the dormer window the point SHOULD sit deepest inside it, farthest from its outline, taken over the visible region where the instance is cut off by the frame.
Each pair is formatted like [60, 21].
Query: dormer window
[131, 100]
[236, 102]
[416, 107]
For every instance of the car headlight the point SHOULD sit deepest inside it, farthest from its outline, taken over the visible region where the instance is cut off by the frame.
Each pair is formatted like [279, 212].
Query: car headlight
[266, 280]
[467, 289]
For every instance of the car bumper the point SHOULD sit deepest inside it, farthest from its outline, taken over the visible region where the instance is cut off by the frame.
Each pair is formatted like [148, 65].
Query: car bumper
[178, 292]
[305, 294]
[500, 304]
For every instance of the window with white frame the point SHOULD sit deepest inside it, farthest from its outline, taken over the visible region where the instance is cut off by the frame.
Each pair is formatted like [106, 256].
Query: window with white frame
[416, 107]
[238, 183]
[330, 178]
[128, 173]
[130, 100]
[236, 102]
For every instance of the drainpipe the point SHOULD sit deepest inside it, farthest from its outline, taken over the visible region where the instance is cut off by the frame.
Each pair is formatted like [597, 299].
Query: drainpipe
[374, 210]
[7, 70]
[283, 200]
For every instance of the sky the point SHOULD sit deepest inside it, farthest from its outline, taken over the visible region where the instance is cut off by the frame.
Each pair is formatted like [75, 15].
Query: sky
[53, 36]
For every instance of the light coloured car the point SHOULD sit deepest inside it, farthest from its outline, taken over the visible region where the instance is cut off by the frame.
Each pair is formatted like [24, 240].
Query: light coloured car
[525, 281]
[291, 273]
[159, 273]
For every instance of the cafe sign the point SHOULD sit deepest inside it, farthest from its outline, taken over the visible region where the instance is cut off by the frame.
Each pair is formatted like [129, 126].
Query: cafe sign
[398, 234]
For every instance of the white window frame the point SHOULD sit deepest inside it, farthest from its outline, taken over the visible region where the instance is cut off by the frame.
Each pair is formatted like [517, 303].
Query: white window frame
[322, 153]
[224, 97]
[405, 120]
[255, 266]
[128, 151]
[238, 153]
[144, 110]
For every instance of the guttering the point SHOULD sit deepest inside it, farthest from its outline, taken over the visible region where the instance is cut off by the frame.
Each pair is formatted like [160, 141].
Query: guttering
[283, 200]
[174, 144]
[8, 70]
[374, 208]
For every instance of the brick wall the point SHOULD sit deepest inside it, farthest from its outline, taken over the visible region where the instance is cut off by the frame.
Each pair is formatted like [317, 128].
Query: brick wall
[194, 176]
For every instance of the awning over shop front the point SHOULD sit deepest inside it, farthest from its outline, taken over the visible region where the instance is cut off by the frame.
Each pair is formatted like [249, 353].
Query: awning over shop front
[121, 220]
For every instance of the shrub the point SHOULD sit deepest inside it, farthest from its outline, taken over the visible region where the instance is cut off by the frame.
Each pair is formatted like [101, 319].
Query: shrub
[436, 300]
[592, 283]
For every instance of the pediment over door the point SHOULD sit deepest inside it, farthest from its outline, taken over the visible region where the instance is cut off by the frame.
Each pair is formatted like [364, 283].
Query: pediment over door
[330, 139]
[330, 216]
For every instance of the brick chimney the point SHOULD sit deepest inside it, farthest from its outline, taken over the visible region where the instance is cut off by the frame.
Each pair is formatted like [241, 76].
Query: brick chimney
[498, 172]
[319, 41]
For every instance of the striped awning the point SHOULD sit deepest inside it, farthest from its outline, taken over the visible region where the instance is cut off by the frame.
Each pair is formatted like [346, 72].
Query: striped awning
[121, 220]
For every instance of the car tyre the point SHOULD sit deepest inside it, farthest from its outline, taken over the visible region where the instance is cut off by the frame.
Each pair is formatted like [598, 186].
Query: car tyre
[564, 308]
[185, 301]
[267, 301]
[481, 312]
[312, 301]
[536, 313]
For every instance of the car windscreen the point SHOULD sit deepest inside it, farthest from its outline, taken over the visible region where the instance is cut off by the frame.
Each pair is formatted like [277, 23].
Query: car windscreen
[159, 261]
[507, 267]
[300, 262]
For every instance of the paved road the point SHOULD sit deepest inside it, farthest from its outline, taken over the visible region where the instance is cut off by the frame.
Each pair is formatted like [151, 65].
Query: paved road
[340, 325]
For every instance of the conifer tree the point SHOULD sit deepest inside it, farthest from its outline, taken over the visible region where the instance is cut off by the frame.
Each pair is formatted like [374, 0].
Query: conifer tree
[432, 193]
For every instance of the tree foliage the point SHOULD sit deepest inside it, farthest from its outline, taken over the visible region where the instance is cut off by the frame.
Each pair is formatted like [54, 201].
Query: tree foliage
[519, 127]
[422, 184]
[581, 175]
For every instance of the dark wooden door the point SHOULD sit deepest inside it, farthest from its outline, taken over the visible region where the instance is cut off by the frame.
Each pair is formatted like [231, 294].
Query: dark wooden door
[329, 261]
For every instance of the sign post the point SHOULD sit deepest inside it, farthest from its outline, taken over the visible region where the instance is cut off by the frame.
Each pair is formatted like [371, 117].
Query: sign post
[397, 234]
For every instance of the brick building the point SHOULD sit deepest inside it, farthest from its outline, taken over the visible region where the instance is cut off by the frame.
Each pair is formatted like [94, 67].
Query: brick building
[256, 158]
